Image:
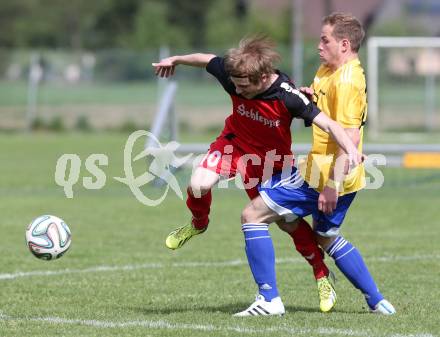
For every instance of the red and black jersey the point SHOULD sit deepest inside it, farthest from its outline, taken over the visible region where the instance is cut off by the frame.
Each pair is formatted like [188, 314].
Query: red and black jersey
[262, 124]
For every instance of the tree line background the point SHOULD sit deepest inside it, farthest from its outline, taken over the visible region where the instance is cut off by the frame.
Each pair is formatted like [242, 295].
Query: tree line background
[134, 24]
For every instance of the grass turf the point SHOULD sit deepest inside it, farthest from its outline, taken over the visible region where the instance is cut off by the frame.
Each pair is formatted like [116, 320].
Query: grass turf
[120, 280]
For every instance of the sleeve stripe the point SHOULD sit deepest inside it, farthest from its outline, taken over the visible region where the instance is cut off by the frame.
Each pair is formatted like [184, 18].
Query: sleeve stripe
[302, 96]
[286, 86]
[346, 74]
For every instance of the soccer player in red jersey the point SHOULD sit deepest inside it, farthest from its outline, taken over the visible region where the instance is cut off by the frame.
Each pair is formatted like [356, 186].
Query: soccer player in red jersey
[256, 140]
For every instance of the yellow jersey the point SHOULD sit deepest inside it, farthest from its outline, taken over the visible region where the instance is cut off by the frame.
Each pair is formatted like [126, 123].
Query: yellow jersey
[341, 94]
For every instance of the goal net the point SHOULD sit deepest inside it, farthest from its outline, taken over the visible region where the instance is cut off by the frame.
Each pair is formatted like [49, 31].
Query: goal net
[403, 84]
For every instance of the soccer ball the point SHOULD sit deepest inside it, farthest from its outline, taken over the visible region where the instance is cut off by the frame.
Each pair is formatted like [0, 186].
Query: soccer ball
[48, 237]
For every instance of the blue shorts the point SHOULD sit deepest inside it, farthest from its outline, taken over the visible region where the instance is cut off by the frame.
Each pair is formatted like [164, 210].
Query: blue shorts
[291, 197]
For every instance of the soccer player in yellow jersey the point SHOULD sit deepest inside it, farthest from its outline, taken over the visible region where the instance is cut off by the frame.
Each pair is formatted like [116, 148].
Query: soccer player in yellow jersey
[326, 185]
[338, 89]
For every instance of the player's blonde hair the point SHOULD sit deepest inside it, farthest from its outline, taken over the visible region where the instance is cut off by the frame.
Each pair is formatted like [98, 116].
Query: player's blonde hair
[346, 26]
[254, 57]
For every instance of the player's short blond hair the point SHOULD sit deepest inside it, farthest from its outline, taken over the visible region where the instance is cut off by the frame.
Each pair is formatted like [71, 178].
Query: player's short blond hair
[253, 57]
[346, 26]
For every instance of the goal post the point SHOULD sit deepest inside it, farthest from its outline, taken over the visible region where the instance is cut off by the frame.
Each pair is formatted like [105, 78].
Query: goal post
[398, 62]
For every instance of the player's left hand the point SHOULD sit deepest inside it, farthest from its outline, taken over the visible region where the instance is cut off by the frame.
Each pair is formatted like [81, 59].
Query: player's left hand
[327, 200]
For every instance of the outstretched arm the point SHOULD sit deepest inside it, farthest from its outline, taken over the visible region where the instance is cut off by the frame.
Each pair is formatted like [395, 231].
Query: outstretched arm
[340, 136]
[166, 67]
[348, 140]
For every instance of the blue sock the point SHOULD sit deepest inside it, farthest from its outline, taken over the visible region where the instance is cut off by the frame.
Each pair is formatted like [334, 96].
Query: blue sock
[350, 263]
[261, 258]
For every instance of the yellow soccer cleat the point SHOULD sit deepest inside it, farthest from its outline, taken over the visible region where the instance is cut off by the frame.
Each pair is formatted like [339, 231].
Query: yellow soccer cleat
[178, 237]
[326, 292]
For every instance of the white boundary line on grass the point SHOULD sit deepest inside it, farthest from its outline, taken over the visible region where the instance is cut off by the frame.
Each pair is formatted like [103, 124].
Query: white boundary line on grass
[161, 324]
[230, 263]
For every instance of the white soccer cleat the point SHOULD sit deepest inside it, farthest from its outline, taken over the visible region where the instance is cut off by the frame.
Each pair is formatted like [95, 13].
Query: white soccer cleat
[384, 308]
[263, 308]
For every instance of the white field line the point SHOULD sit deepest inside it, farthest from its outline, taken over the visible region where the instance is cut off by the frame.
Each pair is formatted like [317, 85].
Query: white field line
[230, 263]
[161, 324]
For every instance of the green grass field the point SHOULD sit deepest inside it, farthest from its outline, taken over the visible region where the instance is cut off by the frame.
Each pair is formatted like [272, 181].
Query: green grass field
[201, 106]
[118, 279]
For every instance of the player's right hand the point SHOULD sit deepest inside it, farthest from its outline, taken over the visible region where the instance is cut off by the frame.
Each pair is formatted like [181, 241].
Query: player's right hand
[307, 91]
[352, 160]
[165, 68]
